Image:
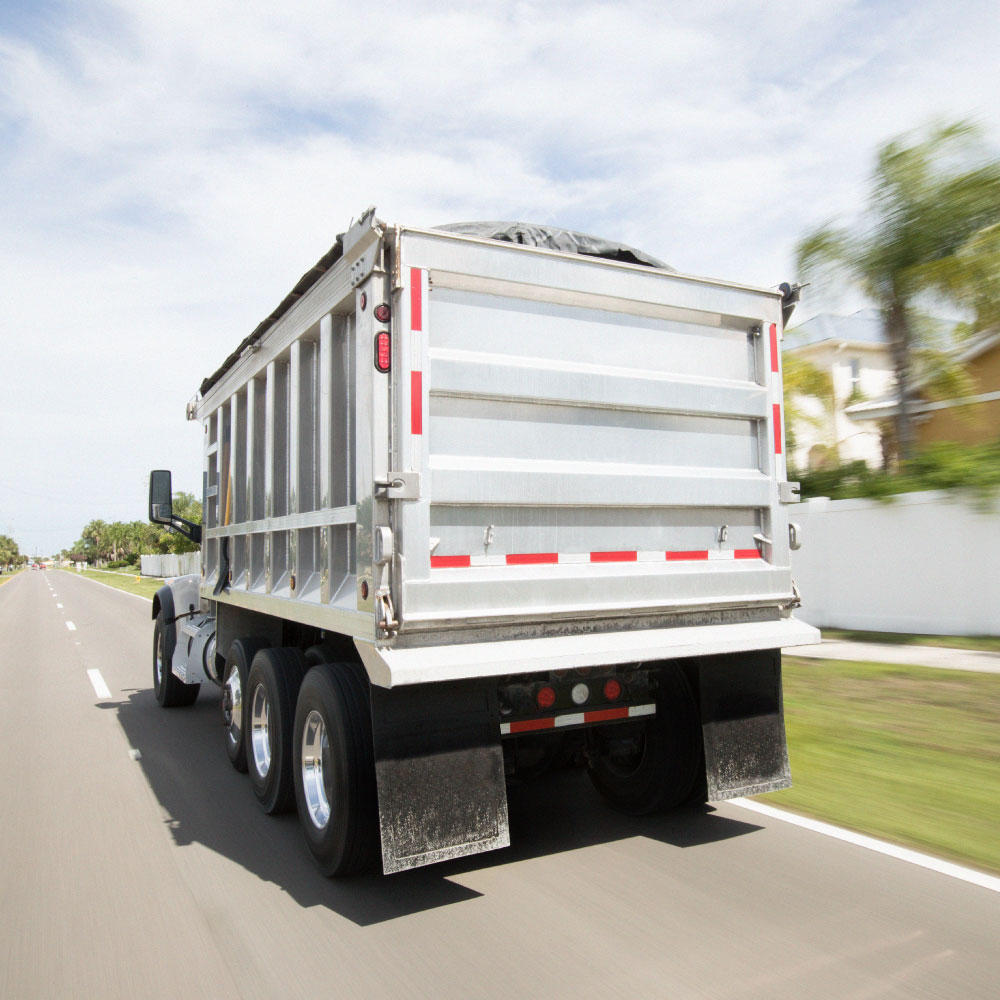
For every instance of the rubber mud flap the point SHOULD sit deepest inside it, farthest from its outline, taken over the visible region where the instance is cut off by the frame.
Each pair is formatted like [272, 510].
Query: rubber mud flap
[439, 771]
[743, 724]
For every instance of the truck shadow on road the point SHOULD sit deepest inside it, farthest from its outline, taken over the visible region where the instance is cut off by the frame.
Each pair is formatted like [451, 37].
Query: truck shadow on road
[206, 802]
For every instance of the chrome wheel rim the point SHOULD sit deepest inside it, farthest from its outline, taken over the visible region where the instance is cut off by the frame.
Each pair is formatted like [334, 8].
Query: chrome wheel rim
[315, 769]
[232, 706]
[260, 731]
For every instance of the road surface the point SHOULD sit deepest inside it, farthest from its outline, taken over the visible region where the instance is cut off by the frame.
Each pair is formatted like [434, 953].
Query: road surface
[136, 863]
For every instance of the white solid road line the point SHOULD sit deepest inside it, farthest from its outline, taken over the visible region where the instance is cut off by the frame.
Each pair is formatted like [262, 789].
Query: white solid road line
[58, 605]
[71, 626]
[99, 686]
[872, 844]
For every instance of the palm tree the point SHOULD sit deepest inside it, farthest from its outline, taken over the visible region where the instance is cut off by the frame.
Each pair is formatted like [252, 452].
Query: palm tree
[929, 231]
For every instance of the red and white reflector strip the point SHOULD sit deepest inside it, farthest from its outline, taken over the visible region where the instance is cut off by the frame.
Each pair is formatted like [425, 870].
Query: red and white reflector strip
[576, 719]
[416, 375]
[565, 558]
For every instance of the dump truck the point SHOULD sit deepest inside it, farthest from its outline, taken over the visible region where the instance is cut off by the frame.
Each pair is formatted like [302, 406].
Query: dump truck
[481, 501]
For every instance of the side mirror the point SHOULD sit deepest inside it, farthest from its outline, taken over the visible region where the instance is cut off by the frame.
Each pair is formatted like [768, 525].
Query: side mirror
[161, 508]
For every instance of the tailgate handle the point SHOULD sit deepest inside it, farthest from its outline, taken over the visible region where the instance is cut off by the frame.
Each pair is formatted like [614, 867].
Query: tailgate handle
[399, 486]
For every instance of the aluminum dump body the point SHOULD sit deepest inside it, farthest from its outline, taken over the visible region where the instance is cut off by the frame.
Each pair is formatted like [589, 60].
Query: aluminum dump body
[565, 452]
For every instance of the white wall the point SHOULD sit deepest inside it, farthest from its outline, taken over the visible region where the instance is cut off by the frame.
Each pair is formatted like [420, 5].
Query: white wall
[925, 563]
[170, 565]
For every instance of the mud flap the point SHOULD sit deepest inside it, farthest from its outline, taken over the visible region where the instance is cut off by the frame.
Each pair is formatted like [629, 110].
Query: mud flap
[743, 724]
[439, 771]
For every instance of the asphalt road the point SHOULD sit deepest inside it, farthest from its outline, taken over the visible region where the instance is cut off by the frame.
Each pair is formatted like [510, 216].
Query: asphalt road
[159, 876]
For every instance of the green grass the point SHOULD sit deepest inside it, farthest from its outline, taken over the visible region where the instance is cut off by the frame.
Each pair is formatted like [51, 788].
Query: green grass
[145, 586]
[987, 643]
[907, 754]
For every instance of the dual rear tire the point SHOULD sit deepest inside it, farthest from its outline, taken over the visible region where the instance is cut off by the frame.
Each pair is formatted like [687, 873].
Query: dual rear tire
[306, 741]
[657, 764]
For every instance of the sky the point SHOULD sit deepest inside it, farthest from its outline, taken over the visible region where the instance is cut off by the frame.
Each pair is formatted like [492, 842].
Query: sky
[169, 170]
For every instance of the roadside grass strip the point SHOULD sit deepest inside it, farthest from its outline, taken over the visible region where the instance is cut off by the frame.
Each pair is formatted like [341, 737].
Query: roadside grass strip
[905, 754]
[144, 587]
[979, 643]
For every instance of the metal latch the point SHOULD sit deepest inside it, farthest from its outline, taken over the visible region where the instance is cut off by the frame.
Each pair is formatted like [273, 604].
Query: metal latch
[789, 492]
[385, 614]
[399, 486]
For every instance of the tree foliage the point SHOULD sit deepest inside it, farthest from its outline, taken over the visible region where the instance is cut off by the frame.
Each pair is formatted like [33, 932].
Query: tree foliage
[971, 471]
[931, 230]
[124, 541]
[10, 553]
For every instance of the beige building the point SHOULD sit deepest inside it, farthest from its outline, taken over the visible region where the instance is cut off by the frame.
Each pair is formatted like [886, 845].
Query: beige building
[853, 351]
[972, 419]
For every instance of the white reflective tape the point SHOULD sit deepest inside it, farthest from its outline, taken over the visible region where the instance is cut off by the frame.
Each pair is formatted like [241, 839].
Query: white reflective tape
[651, 556]
[497, 560]
[574, 557]
[728, 554]
[641, 710]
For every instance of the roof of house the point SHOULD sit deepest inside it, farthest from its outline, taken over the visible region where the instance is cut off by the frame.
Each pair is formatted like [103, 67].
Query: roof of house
[862, 327]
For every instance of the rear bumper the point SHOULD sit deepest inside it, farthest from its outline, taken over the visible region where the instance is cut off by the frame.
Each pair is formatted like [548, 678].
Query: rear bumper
[389, 667]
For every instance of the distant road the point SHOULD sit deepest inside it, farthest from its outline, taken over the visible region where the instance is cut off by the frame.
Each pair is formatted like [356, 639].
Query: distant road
[136, 864]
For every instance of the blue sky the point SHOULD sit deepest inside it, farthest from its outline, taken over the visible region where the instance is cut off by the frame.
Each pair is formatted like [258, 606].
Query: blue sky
[169, 170]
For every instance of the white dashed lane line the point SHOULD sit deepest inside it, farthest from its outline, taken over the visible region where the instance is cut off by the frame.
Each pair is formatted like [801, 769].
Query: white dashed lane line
[100, 688]
[71, 626]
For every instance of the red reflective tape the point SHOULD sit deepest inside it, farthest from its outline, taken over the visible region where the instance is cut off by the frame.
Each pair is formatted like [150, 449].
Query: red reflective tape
[531, 558]
[529, 725]
[614, 556]
[686, 556]
[774, 347]
[416, 299]
[416, 402]
[746, 554]
[777, 428]
[604, 714]
[450, 562]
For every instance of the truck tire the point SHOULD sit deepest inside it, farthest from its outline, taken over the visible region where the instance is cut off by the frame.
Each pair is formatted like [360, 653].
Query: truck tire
[657, 767]
[170, 690]
[234, 686]
[272, 687]
[335, 769]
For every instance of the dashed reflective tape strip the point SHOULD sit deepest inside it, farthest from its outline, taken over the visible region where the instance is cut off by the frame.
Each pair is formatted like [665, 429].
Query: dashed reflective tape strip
[576, 719]
[777, 428]
[567, 558]
[416, 375]
[774, 347]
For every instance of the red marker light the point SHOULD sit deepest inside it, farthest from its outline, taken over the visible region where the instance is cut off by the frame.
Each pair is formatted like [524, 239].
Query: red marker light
[382, 313]
[612, 689]
[546, 697]
[382, 351]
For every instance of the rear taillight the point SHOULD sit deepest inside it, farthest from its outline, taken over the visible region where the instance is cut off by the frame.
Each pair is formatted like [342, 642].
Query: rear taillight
[383, 352]
[612, 689]
[546, 697]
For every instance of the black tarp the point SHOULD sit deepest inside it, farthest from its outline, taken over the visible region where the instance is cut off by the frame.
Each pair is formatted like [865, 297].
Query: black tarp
[553, 238]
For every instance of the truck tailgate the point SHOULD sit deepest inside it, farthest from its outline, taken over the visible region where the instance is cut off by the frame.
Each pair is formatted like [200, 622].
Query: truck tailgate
[593, 439]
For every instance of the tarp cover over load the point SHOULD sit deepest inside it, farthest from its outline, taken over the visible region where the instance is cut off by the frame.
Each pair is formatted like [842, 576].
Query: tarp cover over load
[552, 238]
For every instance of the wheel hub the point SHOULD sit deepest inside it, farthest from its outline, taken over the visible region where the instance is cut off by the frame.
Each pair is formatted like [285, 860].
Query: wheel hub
[316, 769]
[260, 731]
[232, 706]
